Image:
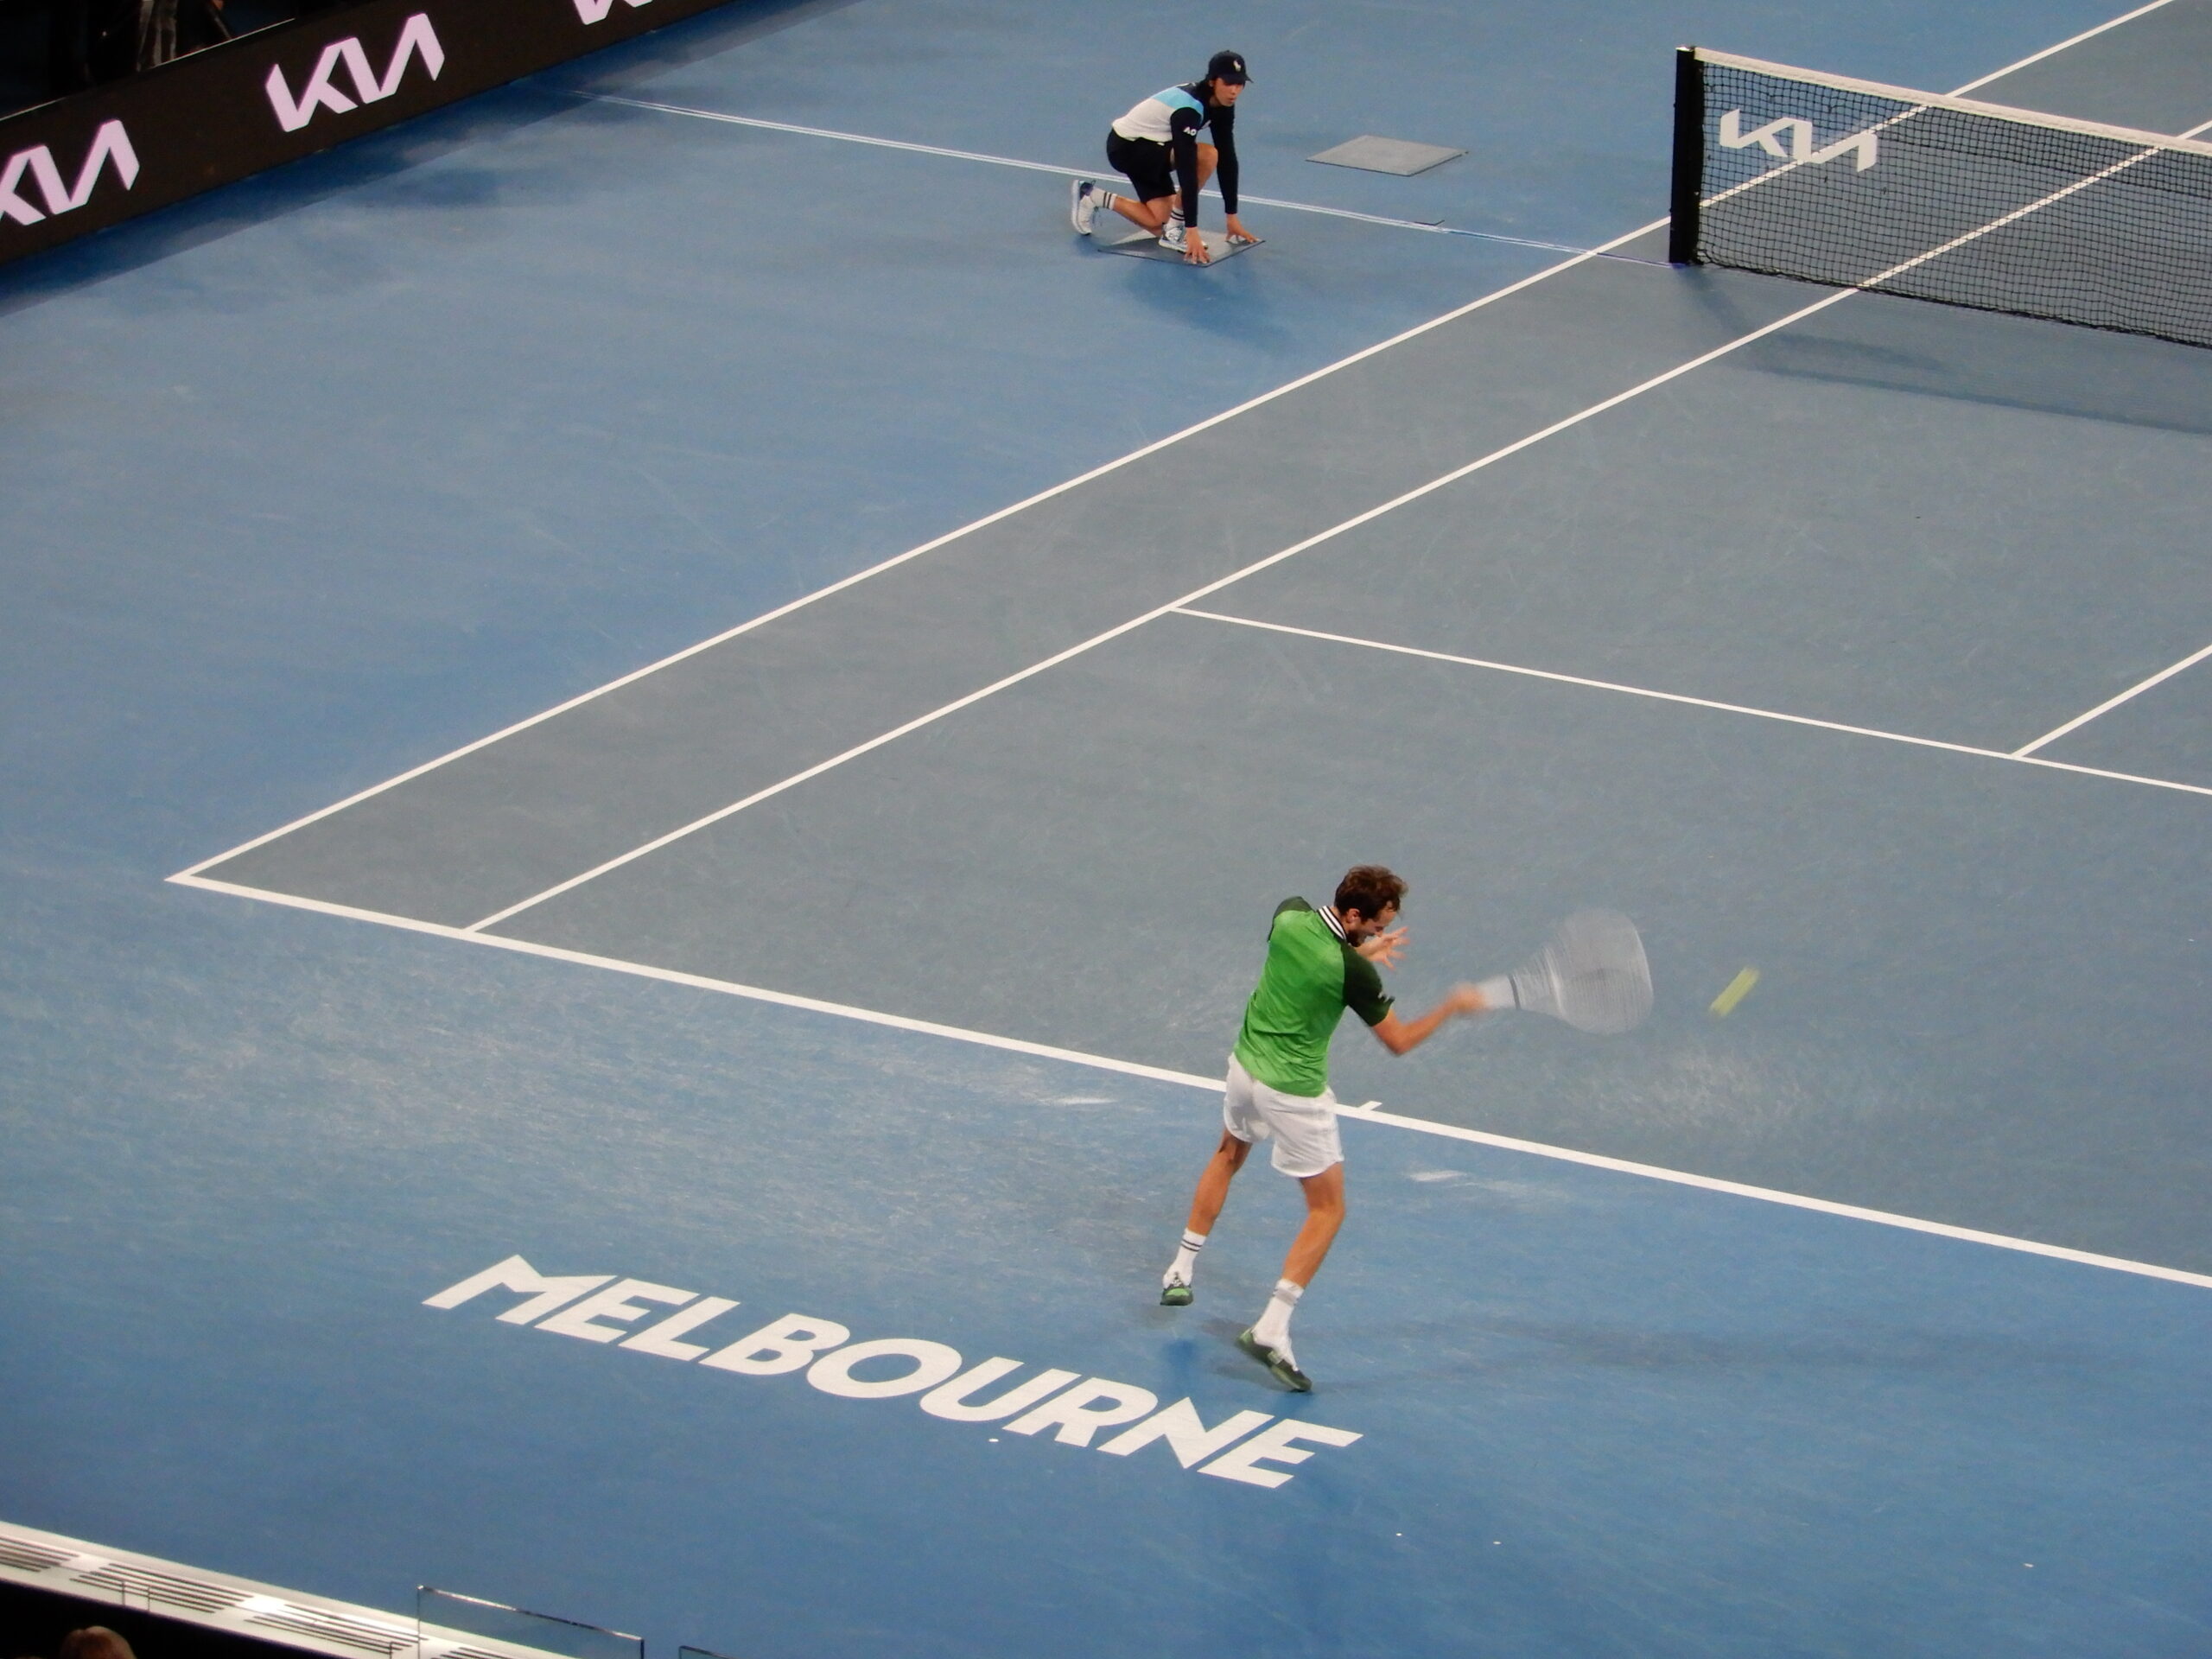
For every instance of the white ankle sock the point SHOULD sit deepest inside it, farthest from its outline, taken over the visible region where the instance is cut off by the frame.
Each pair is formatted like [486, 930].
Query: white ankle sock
[1273, 1329]
[1185, 1271]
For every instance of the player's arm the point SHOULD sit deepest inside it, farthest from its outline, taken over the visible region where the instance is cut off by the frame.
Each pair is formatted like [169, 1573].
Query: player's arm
[1403, 1036]
[1183, 142]
[1224, 169]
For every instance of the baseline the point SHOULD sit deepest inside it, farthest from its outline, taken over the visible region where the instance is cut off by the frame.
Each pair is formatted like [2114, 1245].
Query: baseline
[2022, 757]
[1369, 1112]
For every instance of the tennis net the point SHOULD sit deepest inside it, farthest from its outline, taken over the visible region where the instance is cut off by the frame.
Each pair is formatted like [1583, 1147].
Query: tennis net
[1858, 185]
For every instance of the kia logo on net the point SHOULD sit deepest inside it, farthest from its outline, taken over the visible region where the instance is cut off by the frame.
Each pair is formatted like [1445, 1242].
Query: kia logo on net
[1790, 139]
[417, 39]
[110, 143]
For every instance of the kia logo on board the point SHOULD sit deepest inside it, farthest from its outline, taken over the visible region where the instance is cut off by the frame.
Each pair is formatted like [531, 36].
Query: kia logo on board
[594, 11]
[417, 39]
[110, 143]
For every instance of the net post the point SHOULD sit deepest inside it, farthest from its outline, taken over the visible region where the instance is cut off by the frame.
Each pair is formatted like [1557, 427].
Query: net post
[1689, 158]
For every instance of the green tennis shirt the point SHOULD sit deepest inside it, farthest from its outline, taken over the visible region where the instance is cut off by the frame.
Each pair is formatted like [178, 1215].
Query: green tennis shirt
[1311, 977]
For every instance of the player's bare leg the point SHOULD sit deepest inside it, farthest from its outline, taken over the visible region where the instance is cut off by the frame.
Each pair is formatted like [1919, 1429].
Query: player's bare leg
[1325, 1214]
[1205, 1209]
[1269, 1341]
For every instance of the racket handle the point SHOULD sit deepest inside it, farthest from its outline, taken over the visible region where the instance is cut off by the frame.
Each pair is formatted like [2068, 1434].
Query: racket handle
[1499, 993]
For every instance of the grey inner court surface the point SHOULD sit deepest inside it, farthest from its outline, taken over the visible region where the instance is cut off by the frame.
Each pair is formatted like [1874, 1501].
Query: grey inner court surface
[862, 670]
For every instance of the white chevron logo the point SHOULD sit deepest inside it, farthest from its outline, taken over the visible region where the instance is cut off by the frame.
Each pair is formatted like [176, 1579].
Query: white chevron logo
[1799, 147]
[110, 143]
[594, 11]
[417, 39]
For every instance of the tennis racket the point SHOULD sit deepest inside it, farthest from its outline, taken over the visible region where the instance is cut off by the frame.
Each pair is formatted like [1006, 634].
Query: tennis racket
[1590, 973]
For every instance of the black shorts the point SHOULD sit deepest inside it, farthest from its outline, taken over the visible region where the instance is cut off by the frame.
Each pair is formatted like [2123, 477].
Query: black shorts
[1150, 167]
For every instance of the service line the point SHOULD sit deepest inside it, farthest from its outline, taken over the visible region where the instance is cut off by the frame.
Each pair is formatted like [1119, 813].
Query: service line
[2021, 757]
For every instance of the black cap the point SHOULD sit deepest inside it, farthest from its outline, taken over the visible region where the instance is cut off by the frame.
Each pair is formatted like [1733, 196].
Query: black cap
[1229, 66]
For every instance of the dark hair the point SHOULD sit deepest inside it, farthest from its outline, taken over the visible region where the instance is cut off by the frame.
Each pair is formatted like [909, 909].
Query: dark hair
[95, 1642]
[1369, 889]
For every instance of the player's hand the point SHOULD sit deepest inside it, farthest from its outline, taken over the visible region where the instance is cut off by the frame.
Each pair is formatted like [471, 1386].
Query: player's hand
[1194, 247]
[1238, 233]
[1468, 999]
[1381, 949]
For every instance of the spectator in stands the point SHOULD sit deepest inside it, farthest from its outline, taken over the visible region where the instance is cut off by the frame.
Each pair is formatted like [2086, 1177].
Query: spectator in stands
[95, 1642]
[94, 41]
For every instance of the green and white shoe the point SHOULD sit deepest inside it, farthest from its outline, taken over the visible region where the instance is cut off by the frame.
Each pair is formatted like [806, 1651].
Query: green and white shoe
[1278, 1361]
[1175, 1295]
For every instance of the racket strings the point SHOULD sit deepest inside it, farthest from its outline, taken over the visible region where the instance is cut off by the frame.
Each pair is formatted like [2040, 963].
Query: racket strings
[1591, 974]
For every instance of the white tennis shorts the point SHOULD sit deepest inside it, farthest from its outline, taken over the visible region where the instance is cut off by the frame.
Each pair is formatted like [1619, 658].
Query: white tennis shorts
[1303, 1126]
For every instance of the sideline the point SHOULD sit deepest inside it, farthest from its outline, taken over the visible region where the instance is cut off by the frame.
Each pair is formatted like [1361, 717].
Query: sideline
[1435, 228]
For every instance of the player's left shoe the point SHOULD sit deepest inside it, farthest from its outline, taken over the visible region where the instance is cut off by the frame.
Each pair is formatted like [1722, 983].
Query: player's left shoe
[1173, 1293]
[1280, 1364]
[1083, 205]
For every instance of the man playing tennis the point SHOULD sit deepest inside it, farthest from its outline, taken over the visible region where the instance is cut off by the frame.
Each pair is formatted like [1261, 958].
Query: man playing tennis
[1156, 144]
[1319, 963]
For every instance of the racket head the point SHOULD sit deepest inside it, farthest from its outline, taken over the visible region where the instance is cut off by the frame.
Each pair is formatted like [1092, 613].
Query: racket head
[1591, 973]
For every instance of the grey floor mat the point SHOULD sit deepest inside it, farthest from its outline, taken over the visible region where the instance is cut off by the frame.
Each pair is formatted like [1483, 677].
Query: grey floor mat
[1398, 156]
[1143, 245]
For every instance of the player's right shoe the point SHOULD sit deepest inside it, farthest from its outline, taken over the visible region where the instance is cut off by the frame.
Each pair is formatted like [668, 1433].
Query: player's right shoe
[1280, 1364]
[1083, 205]
[1173, 1293]
[1170, 235]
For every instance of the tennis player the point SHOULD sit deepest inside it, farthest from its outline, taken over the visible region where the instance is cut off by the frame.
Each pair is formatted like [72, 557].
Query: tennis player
[1156, 144]
[1319, 963]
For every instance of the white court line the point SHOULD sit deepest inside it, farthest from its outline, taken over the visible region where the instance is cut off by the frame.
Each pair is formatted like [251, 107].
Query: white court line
[2052, 51]
[2021, 757]
[2111, 704]
[1157, 611]
[897, 560]
[729, 988]
[1770, 1195]
[1092, 172]
[1366, 1112]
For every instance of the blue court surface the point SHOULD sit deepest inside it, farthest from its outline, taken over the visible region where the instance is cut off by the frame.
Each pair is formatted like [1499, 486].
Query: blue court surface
[660, 682]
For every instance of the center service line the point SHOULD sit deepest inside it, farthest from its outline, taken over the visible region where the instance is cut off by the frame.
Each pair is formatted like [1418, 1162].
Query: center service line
[2111, 704]
[1159, 611]
[1367, 1112]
